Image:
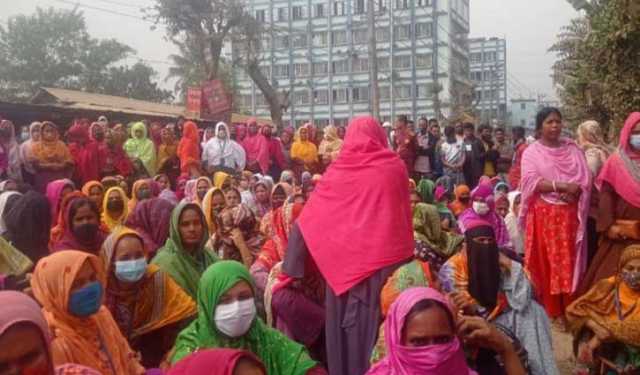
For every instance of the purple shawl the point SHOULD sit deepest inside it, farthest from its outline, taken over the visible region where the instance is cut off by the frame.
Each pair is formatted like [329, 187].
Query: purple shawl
[151, 218]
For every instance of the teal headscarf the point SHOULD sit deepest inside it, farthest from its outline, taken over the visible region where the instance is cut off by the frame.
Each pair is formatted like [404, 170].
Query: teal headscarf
[184, 268]
[279, 354]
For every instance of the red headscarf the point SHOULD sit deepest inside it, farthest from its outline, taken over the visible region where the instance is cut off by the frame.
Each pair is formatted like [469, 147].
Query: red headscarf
[189, 146]
[617, 171]
[212, 362]
[364, 198]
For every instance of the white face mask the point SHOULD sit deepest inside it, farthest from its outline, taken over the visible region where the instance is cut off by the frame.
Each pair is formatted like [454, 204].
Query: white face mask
[130, 271]
[234, 319]
[634, 141]
[480, 208]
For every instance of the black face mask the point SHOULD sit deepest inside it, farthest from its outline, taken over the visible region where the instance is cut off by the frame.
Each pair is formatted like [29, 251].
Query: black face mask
[99, 137]
[464, 200]
[201, 194]
[5, 133]
[143, 194]
[86, 232]
[115, 205]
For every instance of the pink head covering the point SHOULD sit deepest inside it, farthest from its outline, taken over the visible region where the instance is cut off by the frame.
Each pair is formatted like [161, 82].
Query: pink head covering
[54, 195]
[565, 163]
[439, 192]
[212, 362]
[484, 192]
[20, 308]
[190, 191]
[437, 359]
[622, 169]
[374, 228]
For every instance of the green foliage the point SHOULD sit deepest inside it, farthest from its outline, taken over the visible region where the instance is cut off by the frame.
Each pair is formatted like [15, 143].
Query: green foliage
[598, 67]
[53, 48]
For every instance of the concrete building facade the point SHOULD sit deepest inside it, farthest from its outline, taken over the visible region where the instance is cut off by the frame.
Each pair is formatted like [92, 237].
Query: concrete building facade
[523, 113]
[319, 54]
[488, 65]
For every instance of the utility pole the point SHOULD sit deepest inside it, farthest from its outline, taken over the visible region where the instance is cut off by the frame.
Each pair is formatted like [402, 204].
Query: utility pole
[374, 95]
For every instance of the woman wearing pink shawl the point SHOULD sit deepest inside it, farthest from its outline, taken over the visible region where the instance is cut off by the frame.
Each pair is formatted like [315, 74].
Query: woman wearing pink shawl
[556, 189]
[56, 191]
[371, 235]
[619, 186]
[255, 146]
[483, 208]
[403, 356]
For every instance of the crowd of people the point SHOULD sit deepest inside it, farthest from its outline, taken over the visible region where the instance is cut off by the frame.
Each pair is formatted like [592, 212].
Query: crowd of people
[376, 249]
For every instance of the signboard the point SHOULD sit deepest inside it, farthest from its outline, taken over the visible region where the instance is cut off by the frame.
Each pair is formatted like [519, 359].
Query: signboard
[215, 99]
[194, 102]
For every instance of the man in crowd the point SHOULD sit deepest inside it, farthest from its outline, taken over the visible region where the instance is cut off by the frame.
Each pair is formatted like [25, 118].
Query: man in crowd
[405, 142]
[474, 156]
[505, 153]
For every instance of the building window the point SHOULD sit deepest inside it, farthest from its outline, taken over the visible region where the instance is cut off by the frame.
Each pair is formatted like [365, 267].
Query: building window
[523, 123]
[245, 101]
[382, 34]
[360, 36]
[424, 29]
[321, 96]
[341, 66]
[403, 92]
[402, 62]
[282, 42]
[402, 32]
[319, 39]
[476, 58]
[319, 11]
[266, 44]
[360, 94]
[299, 41]
[301, 97]
[260, 100]
[261, 15]
[385, 93]
[297, 13]
[301, 70]
[283, 14]
[402, 4]
[476, 76]
[281, 71]
[423, 3]
[359, 6]
[523, 106]
[320, 68]
[360, 65]
[340, 96]
[422, 91]
[339, 37]
[383, 63]
[424, 61]
[338, 8]
[383, 5]
[490, 56]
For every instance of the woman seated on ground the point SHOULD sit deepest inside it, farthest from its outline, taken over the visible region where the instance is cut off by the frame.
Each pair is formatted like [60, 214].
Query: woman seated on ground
[233, 197]
[50, 157]
[441, 201]
[56, 191]
[604, 321]
[115, 208]
[227, 318]
[486, 283]
[70, 285]
[279, 194]
[219, 362]
[151, 219]
[94, 191]
[81, 230]
[25, 340]
[184, 256]
[432, 243]
[148, 306]
[421, 336]
[483, 208]
[142, 190]
[166, 193]
[462, 200]
[213, 204]
[238, 237]
[28, 224]
[262, 191]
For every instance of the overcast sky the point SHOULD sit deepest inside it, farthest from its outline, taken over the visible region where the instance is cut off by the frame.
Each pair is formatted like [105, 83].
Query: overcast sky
[529, 26]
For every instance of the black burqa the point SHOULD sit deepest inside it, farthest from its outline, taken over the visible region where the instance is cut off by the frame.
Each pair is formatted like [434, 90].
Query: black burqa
[484, 266]
[28, 223]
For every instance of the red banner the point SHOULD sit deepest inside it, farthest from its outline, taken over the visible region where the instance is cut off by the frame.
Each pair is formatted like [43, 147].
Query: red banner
[194, 102]
[215, 99]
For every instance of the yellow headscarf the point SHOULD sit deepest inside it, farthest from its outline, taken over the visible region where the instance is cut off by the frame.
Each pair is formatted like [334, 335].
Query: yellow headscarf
[219, 178]
[108, 220]
[304, 150]
[207, 209]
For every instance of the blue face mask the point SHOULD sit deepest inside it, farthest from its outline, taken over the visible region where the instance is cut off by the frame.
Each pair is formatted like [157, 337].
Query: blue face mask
[634, 141]
[86, 301]
[130, 271]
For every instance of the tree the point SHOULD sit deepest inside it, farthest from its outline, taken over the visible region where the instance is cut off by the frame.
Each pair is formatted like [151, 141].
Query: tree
[249, 53]
[53, 48]
[598, 63]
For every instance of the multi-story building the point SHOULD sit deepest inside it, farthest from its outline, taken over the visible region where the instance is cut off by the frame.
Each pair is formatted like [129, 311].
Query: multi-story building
[318, 52]
[488, 65]
[523, 113]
